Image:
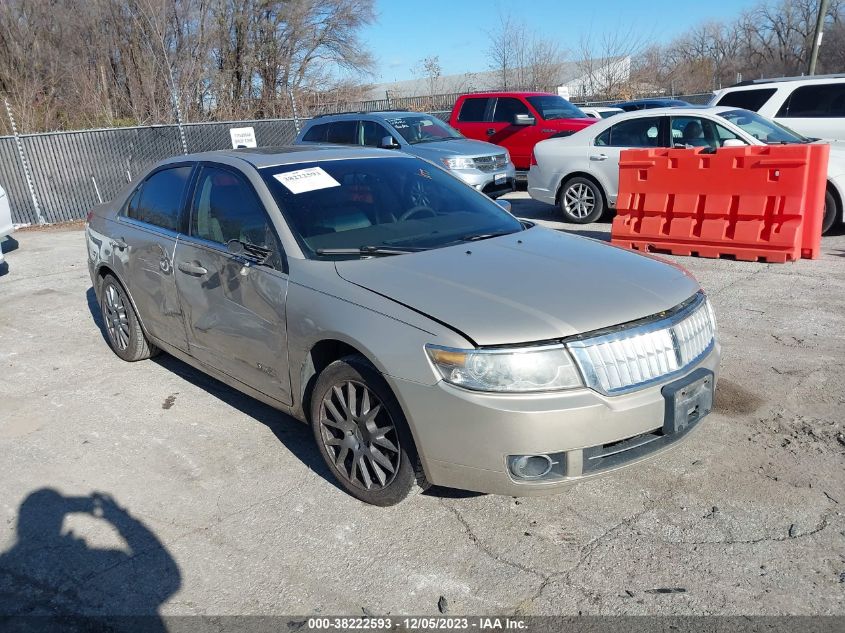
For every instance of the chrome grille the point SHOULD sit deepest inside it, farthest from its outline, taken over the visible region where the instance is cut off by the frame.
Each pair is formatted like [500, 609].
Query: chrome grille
[643, 353]
[490, 163]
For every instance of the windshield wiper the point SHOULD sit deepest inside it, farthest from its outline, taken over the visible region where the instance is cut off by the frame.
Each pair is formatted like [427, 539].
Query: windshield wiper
[368, 250]
[485, 236]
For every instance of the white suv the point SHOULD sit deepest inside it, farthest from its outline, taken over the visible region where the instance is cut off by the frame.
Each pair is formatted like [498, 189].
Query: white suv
[812, 106]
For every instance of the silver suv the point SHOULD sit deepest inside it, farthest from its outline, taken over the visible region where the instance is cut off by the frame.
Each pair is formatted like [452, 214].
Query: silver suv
[445, 343]
[484, 166]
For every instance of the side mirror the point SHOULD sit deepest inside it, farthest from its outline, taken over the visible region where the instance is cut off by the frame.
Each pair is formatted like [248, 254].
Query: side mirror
[523, 119]
[505, 204]
[388, 142]
[732, 142]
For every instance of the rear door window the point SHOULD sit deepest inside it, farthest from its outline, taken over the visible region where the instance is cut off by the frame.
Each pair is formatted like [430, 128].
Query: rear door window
[640, 132]
[344, 132]
[507, 108]
[316, 134]
[473, 109]
[160, 200]
[747, 99]
[815, 101]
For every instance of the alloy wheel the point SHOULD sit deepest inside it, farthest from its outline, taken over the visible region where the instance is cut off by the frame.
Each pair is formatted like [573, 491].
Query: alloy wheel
[579, 200]
[359, 436]
[117, 321]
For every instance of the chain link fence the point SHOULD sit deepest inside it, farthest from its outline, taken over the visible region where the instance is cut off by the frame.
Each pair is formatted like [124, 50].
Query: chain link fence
[58, 176]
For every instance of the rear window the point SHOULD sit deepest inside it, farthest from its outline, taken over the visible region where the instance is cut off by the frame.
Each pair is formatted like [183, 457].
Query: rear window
[342, 132]
[747, 99]
[815, 101]
[473, 109]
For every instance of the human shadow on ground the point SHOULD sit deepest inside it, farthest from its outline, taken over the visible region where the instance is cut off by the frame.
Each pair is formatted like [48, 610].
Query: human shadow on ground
[52, 579]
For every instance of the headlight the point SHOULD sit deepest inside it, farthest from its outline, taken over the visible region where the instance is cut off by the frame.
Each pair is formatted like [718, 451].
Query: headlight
[458, 162]
[509, 370]
[507, 156]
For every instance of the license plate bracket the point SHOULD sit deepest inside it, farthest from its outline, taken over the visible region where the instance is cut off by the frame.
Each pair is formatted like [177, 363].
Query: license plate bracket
[687, 401]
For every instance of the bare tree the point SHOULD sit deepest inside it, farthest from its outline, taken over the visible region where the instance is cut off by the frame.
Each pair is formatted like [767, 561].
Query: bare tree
[521, 58]
[604, 61]
[430, 70]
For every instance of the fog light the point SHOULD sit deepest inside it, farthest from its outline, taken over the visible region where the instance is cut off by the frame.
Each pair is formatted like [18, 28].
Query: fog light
[531, 466]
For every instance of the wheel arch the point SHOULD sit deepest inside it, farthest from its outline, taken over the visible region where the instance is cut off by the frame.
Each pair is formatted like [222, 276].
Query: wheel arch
[838, 197]
[581, 174]
[101, 272]
[322, 354]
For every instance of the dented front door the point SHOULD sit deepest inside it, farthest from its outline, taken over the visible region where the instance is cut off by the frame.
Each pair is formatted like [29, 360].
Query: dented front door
[235, 315]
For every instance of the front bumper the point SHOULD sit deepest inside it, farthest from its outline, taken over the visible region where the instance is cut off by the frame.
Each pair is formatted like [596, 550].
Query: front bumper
[485, 182]
[465, 437]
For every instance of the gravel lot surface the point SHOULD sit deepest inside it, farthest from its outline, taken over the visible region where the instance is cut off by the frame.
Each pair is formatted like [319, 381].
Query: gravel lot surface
[216, 504]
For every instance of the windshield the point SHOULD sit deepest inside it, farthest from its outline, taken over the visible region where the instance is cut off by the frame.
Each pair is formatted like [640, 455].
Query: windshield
[421, 129]
[762, 128]
[553, 107]
[372, 203]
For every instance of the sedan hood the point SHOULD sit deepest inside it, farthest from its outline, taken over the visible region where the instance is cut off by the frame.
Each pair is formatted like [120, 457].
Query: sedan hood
[530, 286]
[436, 150]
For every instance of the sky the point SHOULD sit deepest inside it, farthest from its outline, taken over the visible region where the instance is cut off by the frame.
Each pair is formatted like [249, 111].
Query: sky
[456, 30]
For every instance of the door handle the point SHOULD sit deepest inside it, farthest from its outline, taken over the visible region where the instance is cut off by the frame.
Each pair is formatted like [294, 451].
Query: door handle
[598, 157]
[192, 269]
[119, 244]
[491, 131]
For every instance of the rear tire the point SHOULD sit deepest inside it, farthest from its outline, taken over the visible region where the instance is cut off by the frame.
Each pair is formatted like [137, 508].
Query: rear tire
[123, 330]
[581, 200]
[362, 434]
[831, 212]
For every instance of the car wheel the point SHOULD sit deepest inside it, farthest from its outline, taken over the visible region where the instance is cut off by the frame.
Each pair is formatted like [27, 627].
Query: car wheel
[581, 200]
[362, 433]
[123, 329]
[831, 212]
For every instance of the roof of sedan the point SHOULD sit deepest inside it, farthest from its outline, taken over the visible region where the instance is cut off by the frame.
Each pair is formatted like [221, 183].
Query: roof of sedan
[291, 154]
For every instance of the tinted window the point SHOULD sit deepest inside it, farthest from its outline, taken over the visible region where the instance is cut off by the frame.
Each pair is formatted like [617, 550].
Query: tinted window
[396, 202]
[815, 101]
[553, 107]
[316, 133]
[473, 109]
[160, 199]
[507, 108]
[748, 99]
[693, 131]
[373, 133]
[227, 208]
[642, 132]
[343, 132]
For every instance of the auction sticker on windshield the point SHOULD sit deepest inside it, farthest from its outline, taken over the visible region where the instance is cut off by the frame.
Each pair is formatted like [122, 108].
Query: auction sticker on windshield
[304, 180]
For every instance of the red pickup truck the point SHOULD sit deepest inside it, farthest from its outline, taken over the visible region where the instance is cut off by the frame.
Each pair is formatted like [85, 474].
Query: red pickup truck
[516, 120]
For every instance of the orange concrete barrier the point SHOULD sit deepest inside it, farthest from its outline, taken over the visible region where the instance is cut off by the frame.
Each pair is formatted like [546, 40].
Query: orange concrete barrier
[754, 203]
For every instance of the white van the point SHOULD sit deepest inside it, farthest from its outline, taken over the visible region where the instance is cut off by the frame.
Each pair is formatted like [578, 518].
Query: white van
[6, 226]
[811, 106]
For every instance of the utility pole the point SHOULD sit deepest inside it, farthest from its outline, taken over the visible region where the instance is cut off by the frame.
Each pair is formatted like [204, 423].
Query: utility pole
[817, 40]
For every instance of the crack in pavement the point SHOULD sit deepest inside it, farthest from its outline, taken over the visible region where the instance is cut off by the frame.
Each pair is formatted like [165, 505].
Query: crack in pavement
[474, 539]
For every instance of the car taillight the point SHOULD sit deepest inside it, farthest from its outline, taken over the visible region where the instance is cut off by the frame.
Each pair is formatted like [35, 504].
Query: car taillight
[533, 158]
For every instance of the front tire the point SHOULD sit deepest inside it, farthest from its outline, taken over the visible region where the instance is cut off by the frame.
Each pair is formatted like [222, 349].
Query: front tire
[831, 212]
[362, 434]
[123, 330]
[581, 200]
